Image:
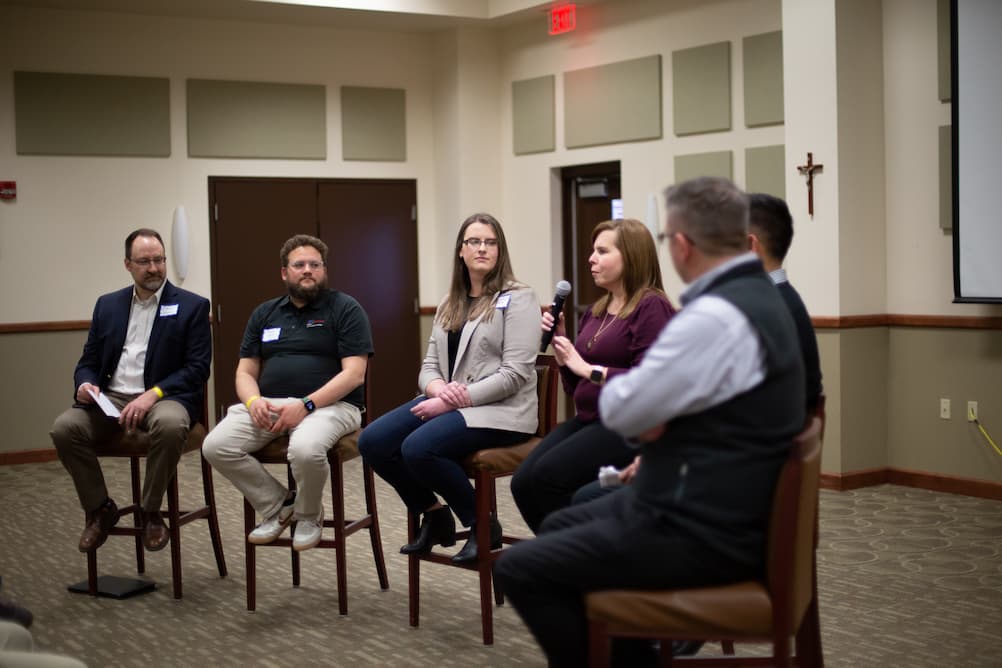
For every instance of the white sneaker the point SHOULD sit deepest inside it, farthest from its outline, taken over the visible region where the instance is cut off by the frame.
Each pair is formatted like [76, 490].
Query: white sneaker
[308, 533]
[271, 528]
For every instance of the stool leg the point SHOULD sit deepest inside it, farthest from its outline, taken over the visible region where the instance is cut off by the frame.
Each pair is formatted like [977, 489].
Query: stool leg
[374, 537]
[340, 555]
[92, 572]
[294, 556]
[209, 493]
[173, 516]
[249, 556]
[137, 515]
[483, 488]
[413, 571]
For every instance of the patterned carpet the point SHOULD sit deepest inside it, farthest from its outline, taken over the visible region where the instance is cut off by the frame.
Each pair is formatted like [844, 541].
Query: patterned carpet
[907, 578]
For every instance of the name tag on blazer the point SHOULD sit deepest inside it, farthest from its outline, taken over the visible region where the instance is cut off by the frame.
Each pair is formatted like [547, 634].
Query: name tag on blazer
[167, 310]
[503, 301]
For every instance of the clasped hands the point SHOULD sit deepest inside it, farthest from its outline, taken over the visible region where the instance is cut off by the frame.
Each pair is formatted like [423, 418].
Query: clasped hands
[277, 418]
[442, 398]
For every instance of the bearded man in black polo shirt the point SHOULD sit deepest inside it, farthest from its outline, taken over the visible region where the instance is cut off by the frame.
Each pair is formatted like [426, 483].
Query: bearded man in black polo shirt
[302, 365]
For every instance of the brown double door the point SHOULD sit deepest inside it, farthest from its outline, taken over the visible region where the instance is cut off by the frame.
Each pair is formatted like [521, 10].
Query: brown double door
[370, 228]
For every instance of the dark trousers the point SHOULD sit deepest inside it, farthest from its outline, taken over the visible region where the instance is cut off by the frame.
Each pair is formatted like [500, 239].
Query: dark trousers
[422, 458]
[567, 458]
[615, 542]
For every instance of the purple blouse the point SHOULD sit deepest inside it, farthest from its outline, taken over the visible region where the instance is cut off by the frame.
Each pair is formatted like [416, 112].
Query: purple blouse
[616, 344]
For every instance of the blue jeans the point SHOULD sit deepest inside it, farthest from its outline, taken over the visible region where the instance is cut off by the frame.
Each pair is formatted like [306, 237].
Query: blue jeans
[420, 459]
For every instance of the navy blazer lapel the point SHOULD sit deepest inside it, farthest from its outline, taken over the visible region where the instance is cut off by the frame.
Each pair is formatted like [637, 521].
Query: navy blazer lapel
[120, 325]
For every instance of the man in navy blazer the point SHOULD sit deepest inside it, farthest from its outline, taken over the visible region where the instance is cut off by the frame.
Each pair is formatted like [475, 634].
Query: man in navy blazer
[148, 352]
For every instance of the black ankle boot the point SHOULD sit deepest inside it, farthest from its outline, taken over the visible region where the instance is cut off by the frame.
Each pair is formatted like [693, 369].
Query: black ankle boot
[469, 552]
[437, 527]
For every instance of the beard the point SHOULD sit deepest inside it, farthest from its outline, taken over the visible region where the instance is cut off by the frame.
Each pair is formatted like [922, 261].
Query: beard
[152, 282]
[306, 294]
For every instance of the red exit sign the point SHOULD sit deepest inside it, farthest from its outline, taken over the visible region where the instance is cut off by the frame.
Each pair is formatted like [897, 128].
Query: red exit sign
[563, 18]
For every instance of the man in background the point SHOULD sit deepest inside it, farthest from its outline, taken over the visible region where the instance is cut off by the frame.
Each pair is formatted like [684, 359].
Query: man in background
[770, 231]
[148, 352]
[301, 371]
[714, 407]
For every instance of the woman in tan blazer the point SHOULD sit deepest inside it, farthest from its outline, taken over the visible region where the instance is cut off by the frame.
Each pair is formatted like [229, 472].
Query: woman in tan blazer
[478, 384]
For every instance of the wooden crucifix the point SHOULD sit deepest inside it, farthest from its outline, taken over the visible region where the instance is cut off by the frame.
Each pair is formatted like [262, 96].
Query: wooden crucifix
[808, 171]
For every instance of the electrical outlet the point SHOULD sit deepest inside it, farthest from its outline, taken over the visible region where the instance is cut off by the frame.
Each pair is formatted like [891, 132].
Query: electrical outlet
[972, 411]
[944, 409]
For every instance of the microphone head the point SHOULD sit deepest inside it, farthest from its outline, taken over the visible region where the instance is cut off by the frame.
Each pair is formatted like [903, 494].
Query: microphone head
[563, 288]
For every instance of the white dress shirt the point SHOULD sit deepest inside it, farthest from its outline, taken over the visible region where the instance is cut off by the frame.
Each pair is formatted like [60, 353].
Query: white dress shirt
[128, 376]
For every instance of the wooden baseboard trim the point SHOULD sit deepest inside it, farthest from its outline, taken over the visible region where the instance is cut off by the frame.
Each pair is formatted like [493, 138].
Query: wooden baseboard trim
[28, 456]
[982, 489]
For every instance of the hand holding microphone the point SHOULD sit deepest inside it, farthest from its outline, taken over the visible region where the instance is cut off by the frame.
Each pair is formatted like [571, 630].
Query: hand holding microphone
[563, 289]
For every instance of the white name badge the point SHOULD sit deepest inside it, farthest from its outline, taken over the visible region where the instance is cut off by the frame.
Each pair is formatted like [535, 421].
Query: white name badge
[270, 334]
[503, 301]
[168, 310]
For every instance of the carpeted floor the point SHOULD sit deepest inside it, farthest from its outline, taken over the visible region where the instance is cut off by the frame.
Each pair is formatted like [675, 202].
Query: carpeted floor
[907, 578]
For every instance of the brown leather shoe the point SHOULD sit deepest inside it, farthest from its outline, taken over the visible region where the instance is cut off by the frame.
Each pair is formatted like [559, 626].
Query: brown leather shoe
[99, 523]
[155, 534]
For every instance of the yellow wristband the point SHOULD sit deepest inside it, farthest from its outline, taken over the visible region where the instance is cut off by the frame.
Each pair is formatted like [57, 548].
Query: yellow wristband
[160, 393]
[251, 400]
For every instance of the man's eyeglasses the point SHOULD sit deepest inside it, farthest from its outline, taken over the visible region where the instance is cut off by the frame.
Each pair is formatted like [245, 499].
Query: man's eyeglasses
[474, 242]
[302, 264]
[147, 261]
[666, 236]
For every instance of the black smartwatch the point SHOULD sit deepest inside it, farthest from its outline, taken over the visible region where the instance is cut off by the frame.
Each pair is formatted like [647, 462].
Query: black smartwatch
[597, 375]
[310, 406]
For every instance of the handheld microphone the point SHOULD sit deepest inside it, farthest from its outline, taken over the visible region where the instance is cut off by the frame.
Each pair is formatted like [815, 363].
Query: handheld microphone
[563, 289]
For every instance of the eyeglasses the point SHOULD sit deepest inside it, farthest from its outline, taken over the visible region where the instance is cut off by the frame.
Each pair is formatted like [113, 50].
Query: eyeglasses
[474, 242]
[666, 236]
[302, 264]
[147, 261]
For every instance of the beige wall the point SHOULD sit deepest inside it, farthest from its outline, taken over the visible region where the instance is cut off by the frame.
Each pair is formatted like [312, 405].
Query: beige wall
[37, 373]
[926, 364]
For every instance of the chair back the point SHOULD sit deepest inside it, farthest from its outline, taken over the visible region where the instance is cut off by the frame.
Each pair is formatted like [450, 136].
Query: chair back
[792, 531]
[547, 379]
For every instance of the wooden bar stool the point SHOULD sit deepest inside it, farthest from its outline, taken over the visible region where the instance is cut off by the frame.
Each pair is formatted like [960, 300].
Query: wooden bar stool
[134, 446]
[485, 467]
[344, 450]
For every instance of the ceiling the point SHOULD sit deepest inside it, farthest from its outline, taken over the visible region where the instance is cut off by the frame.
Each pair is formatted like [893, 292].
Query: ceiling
[391, 15]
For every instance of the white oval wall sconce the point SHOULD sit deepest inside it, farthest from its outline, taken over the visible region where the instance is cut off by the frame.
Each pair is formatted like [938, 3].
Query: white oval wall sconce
[179, 242]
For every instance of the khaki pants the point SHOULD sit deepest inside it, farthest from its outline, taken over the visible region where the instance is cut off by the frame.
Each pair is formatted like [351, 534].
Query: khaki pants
[229, 445]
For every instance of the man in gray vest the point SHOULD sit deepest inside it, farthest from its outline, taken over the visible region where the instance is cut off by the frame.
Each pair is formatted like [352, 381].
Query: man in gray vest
[713, 408]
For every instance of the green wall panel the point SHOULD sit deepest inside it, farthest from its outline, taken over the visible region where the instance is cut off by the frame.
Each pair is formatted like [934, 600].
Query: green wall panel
[91, 114]
[716, 163]
[765, 170]
[763, 79]
[533, 112]
[251, 119]
[373, 123]
[702, 89]
[613, 103]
